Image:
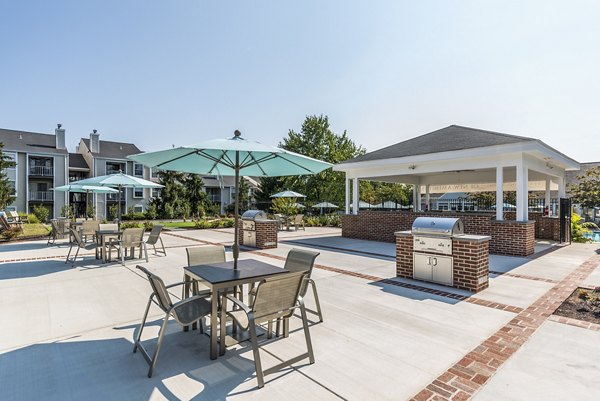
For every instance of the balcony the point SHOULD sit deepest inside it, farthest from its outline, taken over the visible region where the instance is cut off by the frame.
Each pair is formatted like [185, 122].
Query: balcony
[41, 196]
[41, 171]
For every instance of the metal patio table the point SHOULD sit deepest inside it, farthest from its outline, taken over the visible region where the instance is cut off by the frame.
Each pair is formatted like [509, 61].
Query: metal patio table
[222, 276]
[101, 236]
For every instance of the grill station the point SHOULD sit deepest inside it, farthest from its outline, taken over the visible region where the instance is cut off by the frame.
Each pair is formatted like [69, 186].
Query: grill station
[257, 231]
[437, 250]
[432, 238]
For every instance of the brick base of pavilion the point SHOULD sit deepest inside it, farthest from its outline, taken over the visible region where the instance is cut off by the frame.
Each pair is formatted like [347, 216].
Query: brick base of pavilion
[509, 237]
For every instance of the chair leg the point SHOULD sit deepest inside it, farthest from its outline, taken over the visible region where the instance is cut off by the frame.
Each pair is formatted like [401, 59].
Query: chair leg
[139, 336]
[316, 295]
[269, 329]
[311, 355]
[161, 336]
[145, 251]
[75, 257]
[255, 351]
[69, 254]
[163, 246]
[286, 327]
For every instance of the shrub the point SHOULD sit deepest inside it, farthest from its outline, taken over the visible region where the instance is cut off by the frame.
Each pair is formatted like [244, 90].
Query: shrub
[579, 228]
[41, 212]
[151, 212]
[67, 211]
[148, 225]
[130, 225]
[113, 211]
[32, 218]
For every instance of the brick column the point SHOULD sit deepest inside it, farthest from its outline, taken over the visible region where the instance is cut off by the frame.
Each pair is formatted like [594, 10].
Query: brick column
[515, 238]
[266, 234]
[471, 264]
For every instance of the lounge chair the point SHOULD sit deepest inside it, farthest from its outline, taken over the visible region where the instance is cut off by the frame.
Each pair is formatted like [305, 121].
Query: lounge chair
[276, 297]
[131, 238]
[79, 244]
[297, 222]
[17, 218]
[185, 312]
[154, 237]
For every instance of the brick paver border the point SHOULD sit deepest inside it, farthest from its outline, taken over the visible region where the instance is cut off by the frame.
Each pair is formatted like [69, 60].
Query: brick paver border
[463, 379]
[574, 322]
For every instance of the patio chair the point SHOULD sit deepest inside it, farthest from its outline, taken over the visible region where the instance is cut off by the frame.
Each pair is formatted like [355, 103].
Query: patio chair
[88, 230]
[303, 261]
[185, 312]
[276, 297]
[153, 239]
[7, 223]
[79, 244]
[297, 222]
[203, 255]
[131, 238]
[17, 218]
[59, 230]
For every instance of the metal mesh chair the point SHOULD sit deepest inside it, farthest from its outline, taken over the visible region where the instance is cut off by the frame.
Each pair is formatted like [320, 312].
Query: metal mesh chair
[184, 312]
[59, 230]
[79, 244]
[131, 238]
[88, 230]
[297, 222]
[153, 239]
[276, 298]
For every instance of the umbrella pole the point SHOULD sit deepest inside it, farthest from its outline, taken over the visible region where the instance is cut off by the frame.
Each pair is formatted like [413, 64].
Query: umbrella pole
[119, 217]
[236, 240]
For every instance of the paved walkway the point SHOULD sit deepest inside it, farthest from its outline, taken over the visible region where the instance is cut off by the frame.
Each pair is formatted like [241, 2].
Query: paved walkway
[70, 329]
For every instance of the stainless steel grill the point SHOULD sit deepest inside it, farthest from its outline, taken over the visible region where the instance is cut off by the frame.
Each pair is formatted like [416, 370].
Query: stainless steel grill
[432, 238]
[249, 225]
[437, 226]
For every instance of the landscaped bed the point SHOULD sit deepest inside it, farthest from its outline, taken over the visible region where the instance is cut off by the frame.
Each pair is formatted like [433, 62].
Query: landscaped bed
[582, 304]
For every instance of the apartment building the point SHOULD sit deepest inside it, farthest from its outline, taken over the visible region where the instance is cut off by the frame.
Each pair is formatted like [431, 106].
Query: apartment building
[41, 164]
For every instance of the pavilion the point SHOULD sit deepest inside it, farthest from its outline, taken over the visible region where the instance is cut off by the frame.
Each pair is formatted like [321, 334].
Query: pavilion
[470, 160]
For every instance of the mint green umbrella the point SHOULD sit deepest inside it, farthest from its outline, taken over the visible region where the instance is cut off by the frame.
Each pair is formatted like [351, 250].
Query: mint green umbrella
[232, 157]
[119, 181]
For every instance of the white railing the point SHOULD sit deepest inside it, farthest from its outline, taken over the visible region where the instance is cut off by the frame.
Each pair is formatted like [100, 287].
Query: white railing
[44, 196]
[41, 171]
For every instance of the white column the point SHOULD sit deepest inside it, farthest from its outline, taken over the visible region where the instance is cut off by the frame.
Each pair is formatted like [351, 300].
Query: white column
[427, 199]
[415, 207]
[499, 193]
[347, 195]
[547, 197]
[522, 192]
[419, 198]
[355, 195]
[562, 192]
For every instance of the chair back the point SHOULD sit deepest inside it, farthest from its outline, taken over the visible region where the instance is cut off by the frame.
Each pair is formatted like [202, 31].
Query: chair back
[298, 219]
[108, 226]
[277, 296]
[89, 227]
[132, 237]
[4, 222]
[154, 234]
[15, 215]
[301, 261]
[204, 255]
[77, 238]
[163, 299]
[62, 226]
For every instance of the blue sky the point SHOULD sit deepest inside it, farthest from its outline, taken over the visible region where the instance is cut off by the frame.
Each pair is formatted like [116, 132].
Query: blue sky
[158, 73]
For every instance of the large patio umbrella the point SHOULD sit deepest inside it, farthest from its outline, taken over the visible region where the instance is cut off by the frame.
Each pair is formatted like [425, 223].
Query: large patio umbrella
[87, 189]
[232, 157]
[288, 194]
[119, 181]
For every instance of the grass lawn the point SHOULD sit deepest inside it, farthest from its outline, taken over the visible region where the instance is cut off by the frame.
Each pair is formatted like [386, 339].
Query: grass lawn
[34, 229]
[179, 224]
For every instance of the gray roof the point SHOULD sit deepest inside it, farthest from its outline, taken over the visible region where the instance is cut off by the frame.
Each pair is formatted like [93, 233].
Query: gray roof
[114, 150]
[453, 137]
[76, 160]
[23, 141]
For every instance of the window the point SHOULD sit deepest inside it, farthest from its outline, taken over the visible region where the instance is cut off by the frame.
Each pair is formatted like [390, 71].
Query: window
[11, 157]
[156, 192]
[138, 209]
[138, 169]
[138, 193]
[112, 168]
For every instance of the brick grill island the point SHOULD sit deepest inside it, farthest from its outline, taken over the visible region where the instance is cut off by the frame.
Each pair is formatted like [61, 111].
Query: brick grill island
[470, 261]
[266, 234]
[508, 237]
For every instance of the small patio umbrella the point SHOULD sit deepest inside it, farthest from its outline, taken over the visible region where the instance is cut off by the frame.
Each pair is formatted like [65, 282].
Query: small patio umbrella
[119, 181]
[288, 194]
[324, 205]
[232, 157]
[87, 189]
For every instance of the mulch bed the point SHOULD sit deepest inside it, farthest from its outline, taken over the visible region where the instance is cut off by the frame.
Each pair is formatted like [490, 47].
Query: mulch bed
[582, 304]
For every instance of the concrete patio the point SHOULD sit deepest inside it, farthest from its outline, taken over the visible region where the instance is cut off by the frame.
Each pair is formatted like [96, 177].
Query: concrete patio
[67, 331]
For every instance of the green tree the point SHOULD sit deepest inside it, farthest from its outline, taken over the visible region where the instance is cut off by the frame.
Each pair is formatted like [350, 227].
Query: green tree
[586, 191]
[316, 140]
[195, 195]
[6, 190]
[244, 196]
[172, 195]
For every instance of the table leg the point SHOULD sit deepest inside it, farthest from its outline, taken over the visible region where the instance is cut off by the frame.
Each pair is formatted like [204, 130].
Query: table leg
[223, 324]
[103, 250]
[186, 293]
[213, 325]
